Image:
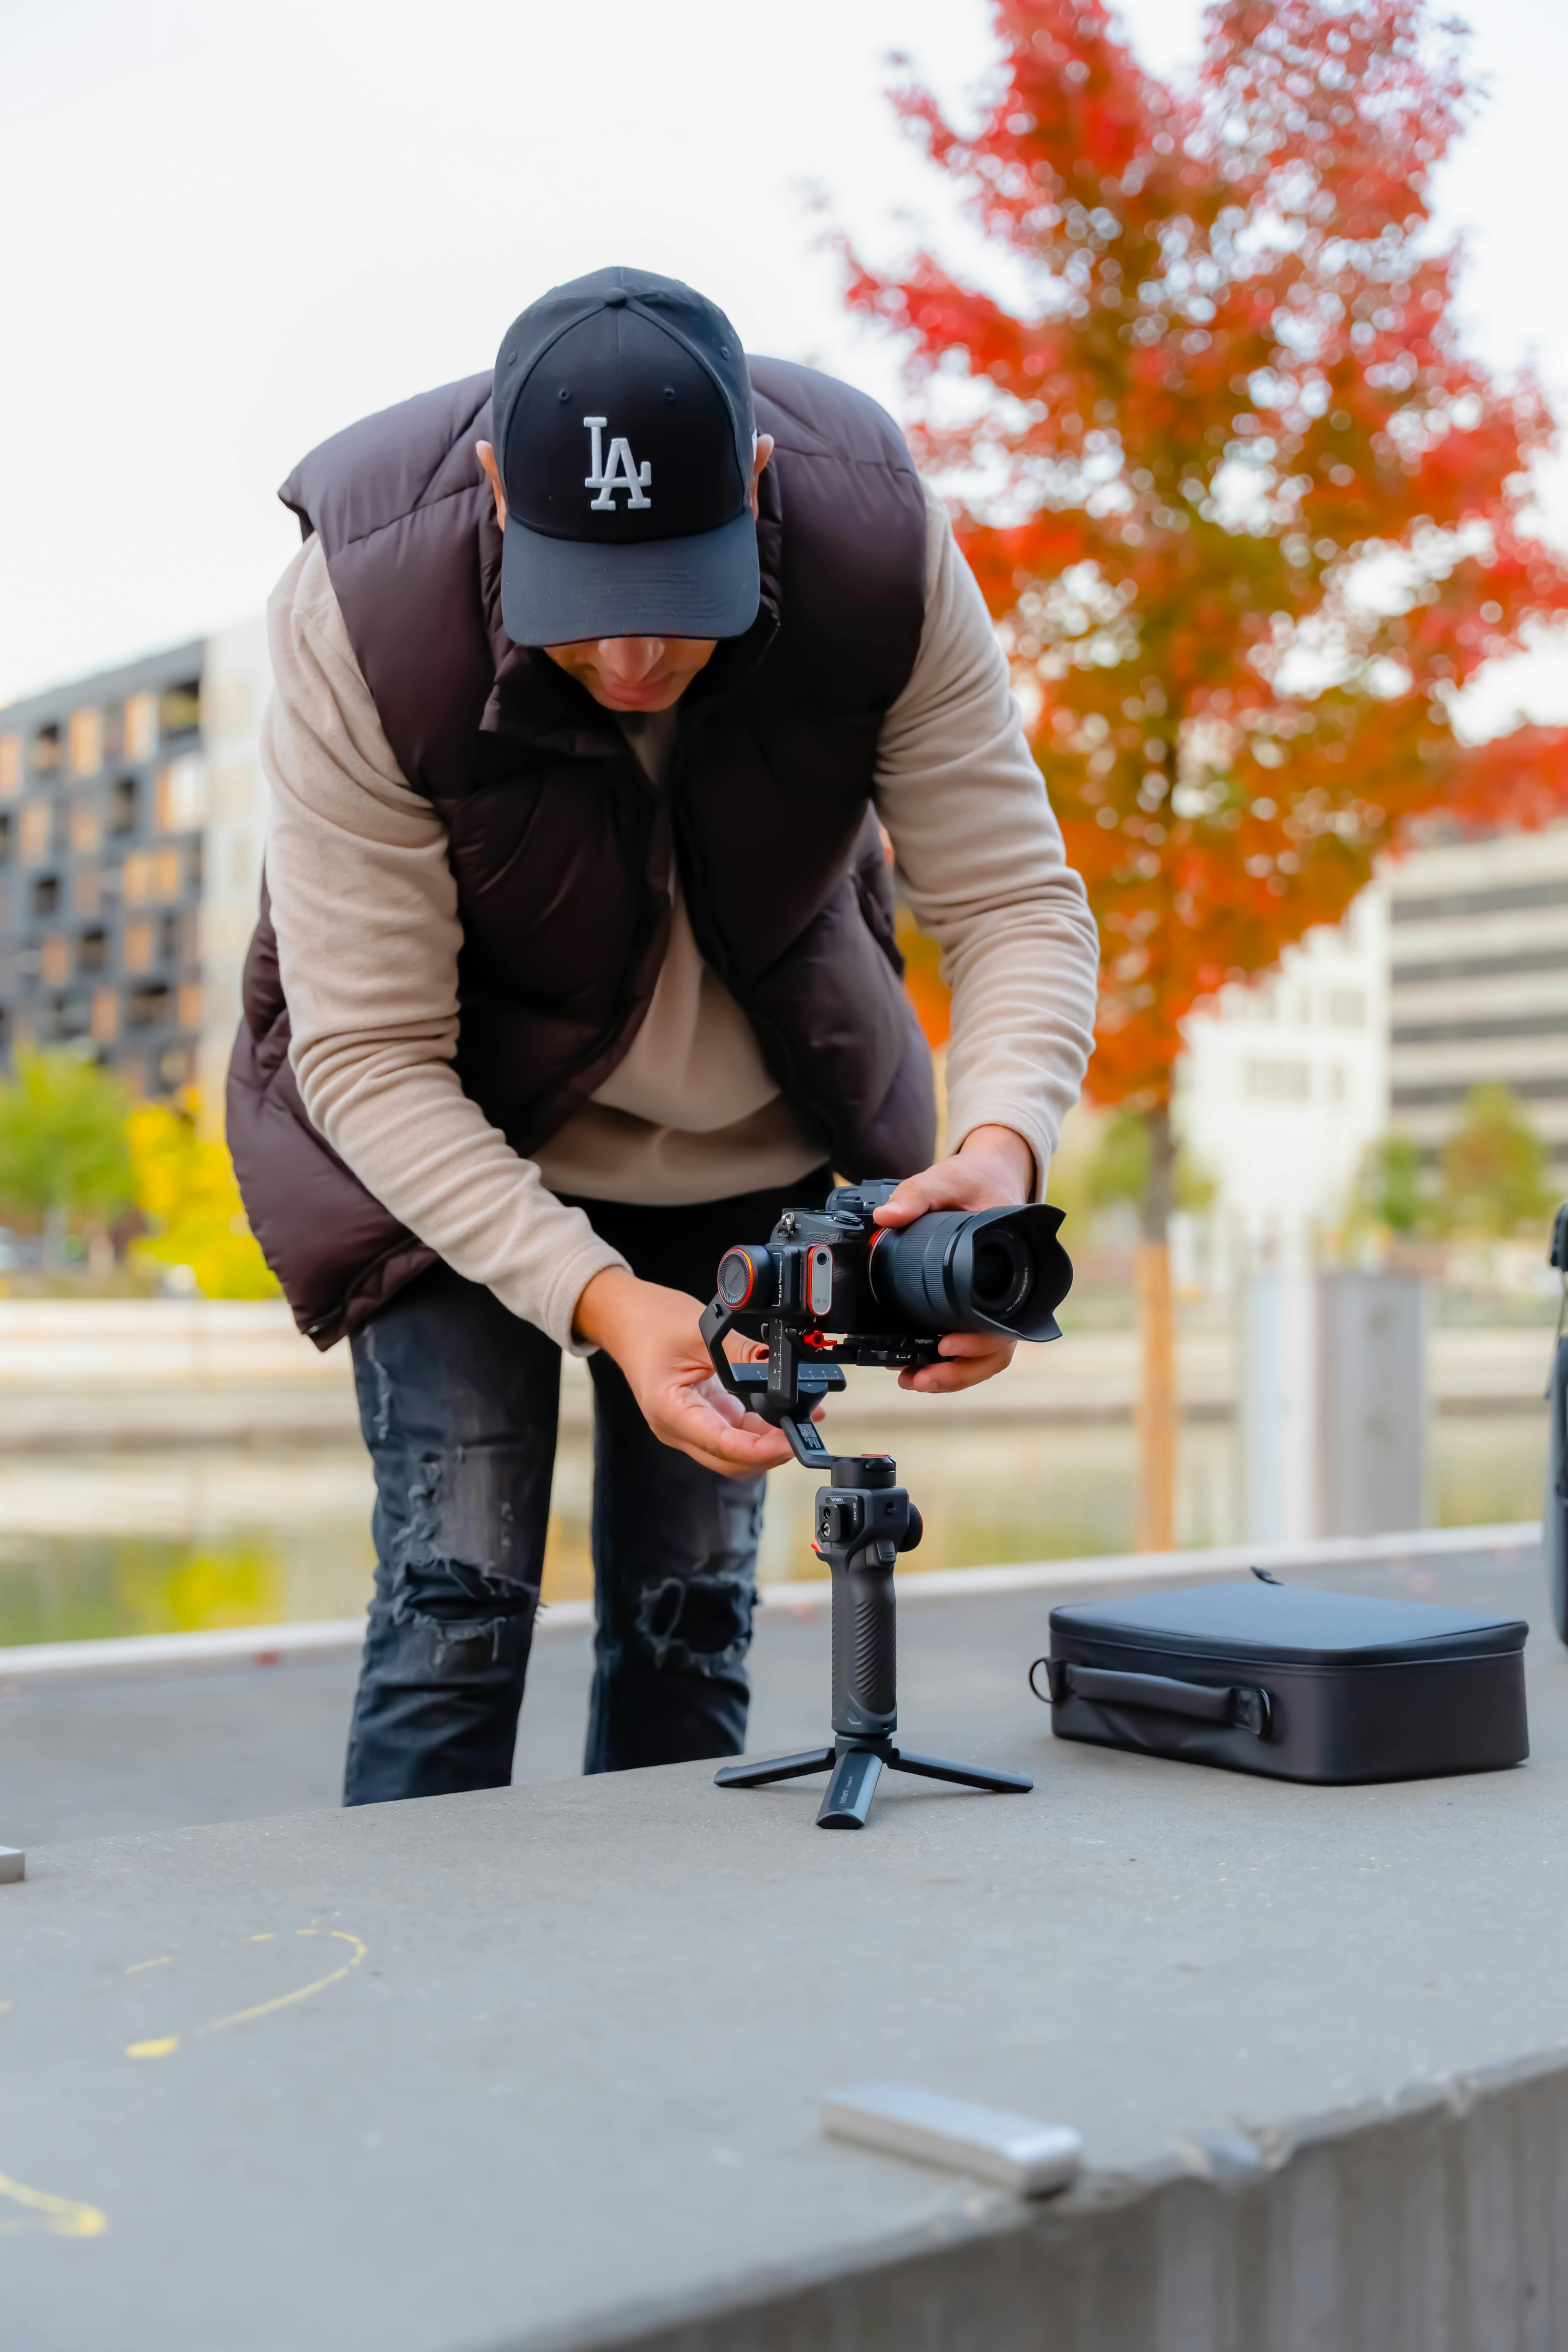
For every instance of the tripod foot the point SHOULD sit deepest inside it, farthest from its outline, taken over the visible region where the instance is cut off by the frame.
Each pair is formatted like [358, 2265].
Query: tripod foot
[778, 1768]
[851, 1790]
[966, 1776]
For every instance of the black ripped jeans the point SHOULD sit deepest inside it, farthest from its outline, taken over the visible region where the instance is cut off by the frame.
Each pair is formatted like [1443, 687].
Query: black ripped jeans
[457, 1400]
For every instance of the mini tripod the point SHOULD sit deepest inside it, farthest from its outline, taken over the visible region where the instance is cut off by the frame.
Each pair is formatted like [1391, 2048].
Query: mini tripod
[863, 1522]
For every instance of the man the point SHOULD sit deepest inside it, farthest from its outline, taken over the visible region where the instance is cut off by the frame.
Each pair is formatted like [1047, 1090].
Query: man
[593, 679]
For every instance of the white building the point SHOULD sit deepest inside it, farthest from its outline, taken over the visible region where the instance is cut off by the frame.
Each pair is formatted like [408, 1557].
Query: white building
[1478, 982]
[1285, 1084]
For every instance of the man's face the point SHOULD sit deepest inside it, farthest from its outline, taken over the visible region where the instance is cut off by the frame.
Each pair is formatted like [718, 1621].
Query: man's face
[635, 673]
[630, 673]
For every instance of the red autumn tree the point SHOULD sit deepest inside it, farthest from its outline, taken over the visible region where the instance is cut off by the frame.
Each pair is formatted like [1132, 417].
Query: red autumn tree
[1250, 517]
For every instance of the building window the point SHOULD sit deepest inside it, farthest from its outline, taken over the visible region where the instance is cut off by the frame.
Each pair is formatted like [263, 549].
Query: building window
[152, 875]
[191, 1005]
[150, 1006]
[141, 726]
[180, 708]
[86, 830]
[56, 964]
[122, 807]
[1337, 1088]
[84, 743]
[87, 894]
[1277, 1081]
[44, 754]
[180, 794]
[105, 1016]
[1346, 1008]
[33, 831]
[5, 836]
[10, 766]
[45, 894]
[138, 945]
[92, 951]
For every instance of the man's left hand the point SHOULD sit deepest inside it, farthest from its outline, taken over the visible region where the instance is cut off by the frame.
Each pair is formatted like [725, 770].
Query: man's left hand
[993, 1169]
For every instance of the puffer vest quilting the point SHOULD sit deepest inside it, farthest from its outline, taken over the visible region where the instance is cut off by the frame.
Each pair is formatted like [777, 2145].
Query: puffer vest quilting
[561, 854]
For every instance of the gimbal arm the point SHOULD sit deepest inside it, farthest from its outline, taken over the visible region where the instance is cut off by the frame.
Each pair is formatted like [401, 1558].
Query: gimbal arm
[784, 1391]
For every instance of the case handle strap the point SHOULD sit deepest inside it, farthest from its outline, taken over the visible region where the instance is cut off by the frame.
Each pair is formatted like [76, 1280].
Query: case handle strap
[1237, 1704]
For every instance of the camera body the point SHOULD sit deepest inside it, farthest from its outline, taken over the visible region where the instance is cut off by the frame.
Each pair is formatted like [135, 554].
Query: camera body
[892, 1292]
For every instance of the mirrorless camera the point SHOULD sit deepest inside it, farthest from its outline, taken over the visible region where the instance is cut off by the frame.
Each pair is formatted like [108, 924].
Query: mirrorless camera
[896, 1289]
[831, 1286]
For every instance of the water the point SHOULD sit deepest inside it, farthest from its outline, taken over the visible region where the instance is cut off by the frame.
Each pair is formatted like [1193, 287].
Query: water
[154, 1543]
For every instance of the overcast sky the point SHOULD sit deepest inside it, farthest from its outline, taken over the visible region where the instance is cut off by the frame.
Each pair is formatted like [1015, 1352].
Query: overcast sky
[229, 229]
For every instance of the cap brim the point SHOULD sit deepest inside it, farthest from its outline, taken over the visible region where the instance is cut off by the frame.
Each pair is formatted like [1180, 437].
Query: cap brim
[555, 592]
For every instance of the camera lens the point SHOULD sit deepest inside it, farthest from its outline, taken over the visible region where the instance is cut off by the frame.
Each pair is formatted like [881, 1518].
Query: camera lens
[996, 1270]
[1003, 1273]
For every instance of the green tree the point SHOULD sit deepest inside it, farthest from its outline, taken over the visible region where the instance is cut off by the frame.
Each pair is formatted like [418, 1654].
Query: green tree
[1120, 1169]
[63, 1153]
[1390, 1190]
[1493, 1168]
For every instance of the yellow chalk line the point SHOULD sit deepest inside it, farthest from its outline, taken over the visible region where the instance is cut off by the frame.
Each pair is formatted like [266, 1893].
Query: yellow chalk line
[262, 2009]
[61, 2216]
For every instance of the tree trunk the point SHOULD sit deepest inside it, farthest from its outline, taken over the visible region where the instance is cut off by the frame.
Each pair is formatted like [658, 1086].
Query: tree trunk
[57, 1225]
[1157, 1366]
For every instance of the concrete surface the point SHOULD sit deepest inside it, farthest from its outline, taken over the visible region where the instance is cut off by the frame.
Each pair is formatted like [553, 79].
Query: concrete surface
[110, 1739]
[542, 2067]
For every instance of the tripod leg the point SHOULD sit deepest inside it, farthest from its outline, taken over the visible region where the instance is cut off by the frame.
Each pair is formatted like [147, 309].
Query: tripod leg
[778, 1768]
[851, 1790]
[967, 1775]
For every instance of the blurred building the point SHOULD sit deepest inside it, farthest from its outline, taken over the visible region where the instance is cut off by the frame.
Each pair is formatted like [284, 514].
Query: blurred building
[1478, 982]
[1285, 1084]
[131, 837]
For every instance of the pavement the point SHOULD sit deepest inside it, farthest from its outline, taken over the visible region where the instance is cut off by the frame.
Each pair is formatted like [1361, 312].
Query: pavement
[139, 1756]
[542, 2068]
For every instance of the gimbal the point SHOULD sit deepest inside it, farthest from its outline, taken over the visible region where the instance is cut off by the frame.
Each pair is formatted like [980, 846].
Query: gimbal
[863, 1522]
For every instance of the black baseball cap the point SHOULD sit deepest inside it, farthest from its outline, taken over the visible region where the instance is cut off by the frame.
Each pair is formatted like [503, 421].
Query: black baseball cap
[625, 437]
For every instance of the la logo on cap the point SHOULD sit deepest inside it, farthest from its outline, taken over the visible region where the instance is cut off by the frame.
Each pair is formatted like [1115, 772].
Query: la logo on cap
[622, 472]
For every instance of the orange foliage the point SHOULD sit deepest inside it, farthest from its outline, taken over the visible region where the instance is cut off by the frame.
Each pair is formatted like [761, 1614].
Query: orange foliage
[1250, 517]
[927, 990]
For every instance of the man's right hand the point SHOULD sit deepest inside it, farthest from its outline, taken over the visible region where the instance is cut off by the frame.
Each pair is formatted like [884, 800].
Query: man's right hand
[652, 1334]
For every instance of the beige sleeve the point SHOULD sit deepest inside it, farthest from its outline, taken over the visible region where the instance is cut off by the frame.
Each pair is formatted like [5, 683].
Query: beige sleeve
[978, 855]
[367, 914]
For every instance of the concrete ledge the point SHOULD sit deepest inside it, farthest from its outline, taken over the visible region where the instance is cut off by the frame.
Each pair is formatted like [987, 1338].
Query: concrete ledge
[140, 1374]
[159, 1656]
[541, 2069]
[1434, 2221]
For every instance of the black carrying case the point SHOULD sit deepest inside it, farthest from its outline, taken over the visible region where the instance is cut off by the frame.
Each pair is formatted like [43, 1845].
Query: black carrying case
[1302, 1686]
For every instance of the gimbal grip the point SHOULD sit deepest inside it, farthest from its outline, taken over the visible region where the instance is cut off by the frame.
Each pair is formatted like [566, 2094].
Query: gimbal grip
[864, 1652]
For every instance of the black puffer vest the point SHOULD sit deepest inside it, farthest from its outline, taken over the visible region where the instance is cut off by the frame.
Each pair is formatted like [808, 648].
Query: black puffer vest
[561, 852]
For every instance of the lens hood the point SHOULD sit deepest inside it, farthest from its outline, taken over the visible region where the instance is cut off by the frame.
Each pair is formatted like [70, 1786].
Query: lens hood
[999, 1270]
